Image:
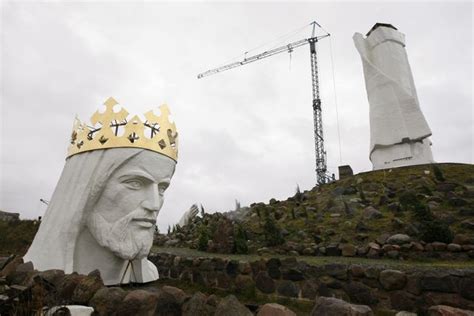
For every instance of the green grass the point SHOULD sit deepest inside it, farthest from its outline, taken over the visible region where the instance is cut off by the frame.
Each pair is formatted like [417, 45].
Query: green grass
[316, 261]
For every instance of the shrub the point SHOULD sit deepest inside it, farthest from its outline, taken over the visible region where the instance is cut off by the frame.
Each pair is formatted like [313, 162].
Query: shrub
[203, 238]
[422, 213]
[298, 195]
[408, 199]
[361, 194]
[272, 233]
[438, 173]
[240, 240]
[436, 231]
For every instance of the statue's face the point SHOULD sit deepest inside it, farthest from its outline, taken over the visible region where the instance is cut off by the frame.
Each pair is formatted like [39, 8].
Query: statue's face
[124, 217]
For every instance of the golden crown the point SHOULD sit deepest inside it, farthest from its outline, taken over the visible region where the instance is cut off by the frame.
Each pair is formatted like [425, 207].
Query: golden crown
[112, 130]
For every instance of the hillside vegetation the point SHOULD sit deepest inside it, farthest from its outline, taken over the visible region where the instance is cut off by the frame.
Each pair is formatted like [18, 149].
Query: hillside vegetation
[429, 203]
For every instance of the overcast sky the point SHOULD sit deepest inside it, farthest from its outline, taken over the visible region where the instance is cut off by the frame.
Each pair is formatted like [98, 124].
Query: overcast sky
[245, 134]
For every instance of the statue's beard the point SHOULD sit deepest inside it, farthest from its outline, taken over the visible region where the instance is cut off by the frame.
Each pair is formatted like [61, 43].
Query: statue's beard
[123, 237]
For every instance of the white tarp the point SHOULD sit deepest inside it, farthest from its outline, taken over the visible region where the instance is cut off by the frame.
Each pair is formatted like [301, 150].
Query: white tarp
[395, 115]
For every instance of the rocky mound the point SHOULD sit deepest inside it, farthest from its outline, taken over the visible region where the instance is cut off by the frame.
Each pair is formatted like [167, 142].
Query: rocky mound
[425, 210]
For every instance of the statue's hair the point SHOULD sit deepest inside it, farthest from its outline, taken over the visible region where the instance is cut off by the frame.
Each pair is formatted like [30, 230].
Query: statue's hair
[82, 181]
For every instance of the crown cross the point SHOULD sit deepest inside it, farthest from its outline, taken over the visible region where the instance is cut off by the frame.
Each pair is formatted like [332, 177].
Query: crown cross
[106, 127]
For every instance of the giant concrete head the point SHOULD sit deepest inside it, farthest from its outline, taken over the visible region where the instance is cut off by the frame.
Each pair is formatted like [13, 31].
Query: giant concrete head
[103, 212]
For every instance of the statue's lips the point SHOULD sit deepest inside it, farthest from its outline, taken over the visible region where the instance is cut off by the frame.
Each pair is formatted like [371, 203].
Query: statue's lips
[145, 220]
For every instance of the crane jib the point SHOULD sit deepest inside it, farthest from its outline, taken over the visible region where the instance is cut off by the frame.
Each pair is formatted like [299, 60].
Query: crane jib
[320, 153]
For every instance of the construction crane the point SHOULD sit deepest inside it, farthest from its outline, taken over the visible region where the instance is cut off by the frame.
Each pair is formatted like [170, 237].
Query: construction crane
[322, 176]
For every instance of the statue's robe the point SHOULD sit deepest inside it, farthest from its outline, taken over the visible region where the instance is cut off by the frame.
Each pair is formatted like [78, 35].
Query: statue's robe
[398, 130]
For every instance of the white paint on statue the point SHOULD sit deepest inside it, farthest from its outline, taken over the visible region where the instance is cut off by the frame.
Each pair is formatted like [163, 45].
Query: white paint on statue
[102, 215]
[398, 130]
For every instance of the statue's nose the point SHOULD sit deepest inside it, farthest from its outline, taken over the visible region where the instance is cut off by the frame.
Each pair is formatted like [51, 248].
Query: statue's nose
[153, 201]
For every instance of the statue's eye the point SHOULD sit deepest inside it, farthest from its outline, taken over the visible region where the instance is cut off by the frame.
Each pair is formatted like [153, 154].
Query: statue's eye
[162, 188]
[133, 184]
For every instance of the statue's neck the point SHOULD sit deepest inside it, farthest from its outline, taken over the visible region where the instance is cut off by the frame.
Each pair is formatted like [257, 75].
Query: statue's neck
[89, 255]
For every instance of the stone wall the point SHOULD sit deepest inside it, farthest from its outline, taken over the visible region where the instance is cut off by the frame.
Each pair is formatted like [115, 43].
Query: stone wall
[377, 286]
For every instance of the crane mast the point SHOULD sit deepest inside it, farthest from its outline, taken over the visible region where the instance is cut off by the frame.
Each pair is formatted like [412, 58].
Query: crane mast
[320, 153]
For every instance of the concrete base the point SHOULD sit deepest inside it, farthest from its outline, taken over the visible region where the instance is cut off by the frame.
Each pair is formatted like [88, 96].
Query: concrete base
[399, 155]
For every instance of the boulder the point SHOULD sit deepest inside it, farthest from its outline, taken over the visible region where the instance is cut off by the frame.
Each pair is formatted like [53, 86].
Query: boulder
[392, 279]
[438, 246]
[398, 239]
[177, 293]
[106, 300]
[53, 276]
[244, 283]
[230, 306]
[309, 289]
[468, 223]
[439, 281]
[245, 267]
[167, 305]
[336, 270]
[466, 288]
[454, 247]
[360, 293]
[293, 274]
[232, 268]
[86, 289]
[444, 310]
[25, 267]
[223, 281]
[402, 300]
[382, 238]
[417, 246]
[273, 309]
[11, 266]
[463, 239]
[138, 302]
[288, 288]
[348, 250]
[264, 283]
[68, 285]
[333, 250]
[451, 299]
[357, 270]
[197, 305]
[371, 213]
[331, 306]
[213, 300]
[273, 268]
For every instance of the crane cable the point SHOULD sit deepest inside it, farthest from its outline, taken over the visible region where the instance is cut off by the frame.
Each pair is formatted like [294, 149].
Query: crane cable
[335, 98]
[276, 40]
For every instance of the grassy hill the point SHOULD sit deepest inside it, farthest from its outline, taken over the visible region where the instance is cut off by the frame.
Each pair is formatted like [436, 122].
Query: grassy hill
[427, 202]
[16, 236]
